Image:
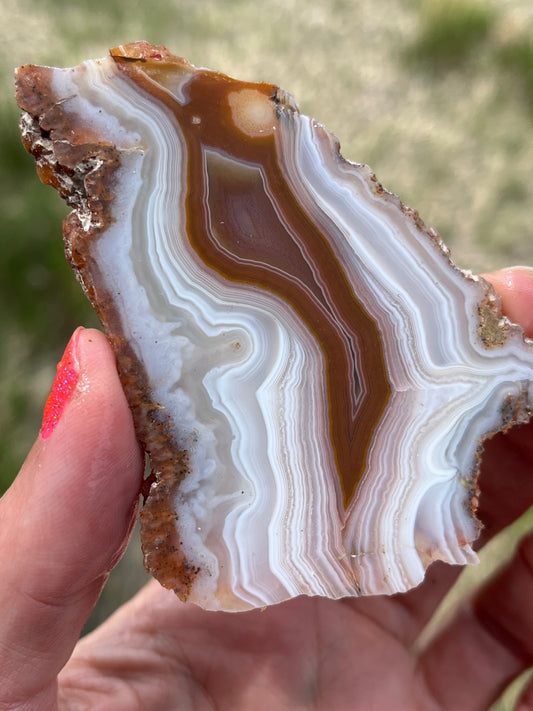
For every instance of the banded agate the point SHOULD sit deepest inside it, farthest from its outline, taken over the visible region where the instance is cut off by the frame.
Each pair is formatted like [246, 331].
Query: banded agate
[311, 375]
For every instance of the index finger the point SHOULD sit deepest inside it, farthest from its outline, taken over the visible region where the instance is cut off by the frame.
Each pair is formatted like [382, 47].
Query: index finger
[515, 289]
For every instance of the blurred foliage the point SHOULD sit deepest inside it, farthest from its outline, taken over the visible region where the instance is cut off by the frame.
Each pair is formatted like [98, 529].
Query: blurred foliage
[449, 31]
[516, 56]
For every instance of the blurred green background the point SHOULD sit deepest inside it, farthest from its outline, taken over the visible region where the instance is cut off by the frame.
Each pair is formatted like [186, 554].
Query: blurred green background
[436, 95]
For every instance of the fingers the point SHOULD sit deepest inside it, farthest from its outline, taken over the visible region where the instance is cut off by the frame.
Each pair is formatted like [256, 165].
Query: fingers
[489, 643]
[133, 659]
[515, 288]
[65, 520]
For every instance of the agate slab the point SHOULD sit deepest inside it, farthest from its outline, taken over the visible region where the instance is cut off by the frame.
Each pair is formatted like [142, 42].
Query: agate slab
[311, 375]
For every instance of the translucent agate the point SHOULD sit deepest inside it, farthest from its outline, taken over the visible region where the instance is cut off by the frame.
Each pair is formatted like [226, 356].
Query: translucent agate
[311, 375]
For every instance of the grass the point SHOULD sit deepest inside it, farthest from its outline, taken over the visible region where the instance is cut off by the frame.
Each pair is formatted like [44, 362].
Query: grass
[449, 32]
[435, 95]
[516, 57]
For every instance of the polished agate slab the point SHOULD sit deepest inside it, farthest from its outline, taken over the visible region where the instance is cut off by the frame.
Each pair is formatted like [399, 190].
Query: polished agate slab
[311, 375]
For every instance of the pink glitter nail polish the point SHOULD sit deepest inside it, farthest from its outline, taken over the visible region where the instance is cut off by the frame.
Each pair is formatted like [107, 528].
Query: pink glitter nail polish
[68, 373]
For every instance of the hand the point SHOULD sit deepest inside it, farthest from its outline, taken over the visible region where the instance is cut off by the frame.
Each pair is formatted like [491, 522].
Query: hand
[65, 522]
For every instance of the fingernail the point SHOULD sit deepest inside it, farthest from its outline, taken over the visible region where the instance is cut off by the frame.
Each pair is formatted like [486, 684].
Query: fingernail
[68, 374]
[510, 274]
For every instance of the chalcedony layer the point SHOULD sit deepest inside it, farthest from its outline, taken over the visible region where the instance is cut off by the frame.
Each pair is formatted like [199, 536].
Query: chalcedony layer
[311, 375]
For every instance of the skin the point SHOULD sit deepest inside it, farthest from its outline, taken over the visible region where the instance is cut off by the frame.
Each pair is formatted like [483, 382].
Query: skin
[66, 520]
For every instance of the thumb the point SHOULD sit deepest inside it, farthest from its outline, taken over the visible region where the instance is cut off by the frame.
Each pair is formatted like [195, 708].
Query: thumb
[65, 520]
[515, 288]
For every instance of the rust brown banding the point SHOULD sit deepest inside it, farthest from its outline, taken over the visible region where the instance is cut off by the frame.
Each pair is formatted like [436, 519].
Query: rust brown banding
[72, 159]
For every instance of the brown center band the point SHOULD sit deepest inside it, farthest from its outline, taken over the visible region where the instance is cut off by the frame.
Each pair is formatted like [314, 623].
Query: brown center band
[247, 225]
